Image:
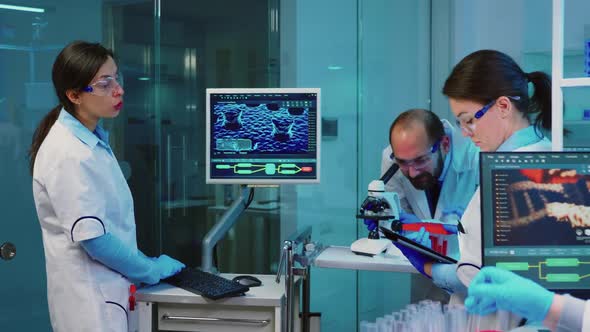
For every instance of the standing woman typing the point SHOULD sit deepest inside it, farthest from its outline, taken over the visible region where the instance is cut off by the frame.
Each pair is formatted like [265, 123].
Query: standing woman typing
[83, 202]
[489, 95]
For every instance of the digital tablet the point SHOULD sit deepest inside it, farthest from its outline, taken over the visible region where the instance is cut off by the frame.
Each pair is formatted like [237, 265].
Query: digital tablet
[404, 241]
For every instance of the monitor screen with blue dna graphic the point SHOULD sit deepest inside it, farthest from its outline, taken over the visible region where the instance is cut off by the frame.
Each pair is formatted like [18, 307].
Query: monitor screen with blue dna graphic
[263, 136]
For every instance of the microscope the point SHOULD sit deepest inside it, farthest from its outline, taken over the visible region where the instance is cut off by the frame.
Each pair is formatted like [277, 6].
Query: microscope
[383, 207]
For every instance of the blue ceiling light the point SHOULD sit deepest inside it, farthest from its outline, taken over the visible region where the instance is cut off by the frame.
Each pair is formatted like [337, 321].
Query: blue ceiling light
[23, 8]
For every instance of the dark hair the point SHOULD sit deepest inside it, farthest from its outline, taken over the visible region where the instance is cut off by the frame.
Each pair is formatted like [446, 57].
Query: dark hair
[434, 127]
[485, 75]
[73, 69]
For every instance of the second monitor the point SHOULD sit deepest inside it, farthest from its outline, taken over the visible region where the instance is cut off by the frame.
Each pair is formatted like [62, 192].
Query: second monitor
[263, 136]
[536, 216]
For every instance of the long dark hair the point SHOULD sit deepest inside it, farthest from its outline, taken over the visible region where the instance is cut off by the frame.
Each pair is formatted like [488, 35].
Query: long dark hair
[485, 75]
[73, 69]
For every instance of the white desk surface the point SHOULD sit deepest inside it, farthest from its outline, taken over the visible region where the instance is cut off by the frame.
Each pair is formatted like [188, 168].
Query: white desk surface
[270, 294]
[342, 258]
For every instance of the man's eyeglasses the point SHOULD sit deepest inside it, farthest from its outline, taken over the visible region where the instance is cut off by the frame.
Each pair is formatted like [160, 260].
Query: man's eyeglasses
[468, 124]
[420, 162]
[105, 85]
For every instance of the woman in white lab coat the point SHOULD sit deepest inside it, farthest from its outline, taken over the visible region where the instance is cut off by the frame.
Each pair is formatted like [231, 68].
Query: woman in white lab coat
[489, 95]
[83, 202]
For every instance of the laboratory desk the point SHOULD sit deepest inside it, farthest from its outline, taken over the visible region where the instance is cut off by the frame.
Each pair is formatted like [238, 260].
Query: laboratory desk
[342, 258]
[260, 310]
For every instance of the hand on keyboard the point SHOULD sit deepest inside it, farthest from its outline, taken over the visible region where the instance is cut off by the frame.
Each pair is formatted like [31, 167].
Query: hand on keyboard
[167, 266]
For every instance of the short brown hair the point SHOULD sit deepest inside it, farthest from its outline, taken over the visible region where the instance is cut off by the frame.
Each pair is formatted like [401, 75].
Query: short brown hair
[434, 127]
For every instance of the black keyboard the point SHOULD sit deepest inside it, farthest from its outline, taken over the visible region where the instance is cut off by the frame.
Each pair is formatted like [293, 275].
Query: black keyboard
[206, 284]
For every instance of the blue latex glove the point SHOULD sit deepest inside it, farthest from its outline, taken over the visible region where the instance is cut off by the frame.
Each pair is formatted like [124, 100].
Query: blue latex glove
[408, 218]
[451, 218]
[404, 218]
[453, 211]
[417, 259]
[421, 236]
[494, 288]
[451, 228]
[371, 224]
[130, 262]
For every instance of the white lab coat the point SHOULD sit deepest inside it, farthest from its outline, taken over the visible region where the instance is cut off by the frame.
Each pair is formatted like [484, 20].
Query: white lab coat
[80, 193]
[470, 245]
[459, 183]
[586, 320]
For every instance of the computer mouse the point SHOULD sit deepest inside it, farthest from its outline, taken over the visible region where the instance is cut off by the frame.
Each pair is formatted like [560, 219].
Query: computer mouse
[249, 281]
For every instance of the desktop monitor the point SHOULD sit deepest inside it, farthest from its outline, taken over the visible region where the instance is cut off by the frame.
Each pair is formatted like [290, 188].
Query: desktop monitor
[263, 136]
[536, 217]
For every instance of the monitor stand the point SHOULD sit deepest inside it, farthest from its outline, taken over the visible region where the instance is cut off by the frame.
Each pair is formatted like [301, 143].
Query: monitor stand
[228, 219]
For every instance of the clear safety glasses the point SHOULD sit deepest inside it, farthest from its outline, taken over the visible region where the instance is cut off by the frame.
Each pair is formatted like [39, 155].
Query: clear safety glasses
[420, 162]
[105, 85]
[467, 124]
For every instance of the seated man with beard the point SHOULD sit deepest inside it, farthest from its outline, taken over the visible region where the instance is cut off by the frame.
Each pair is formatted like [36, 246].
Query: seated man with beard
[439, 172]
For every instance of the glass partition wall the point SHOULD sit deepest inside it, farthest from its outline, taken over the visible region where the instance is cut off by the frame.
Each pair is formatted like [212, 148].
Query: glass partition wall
[394, 76]
[170, 53]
